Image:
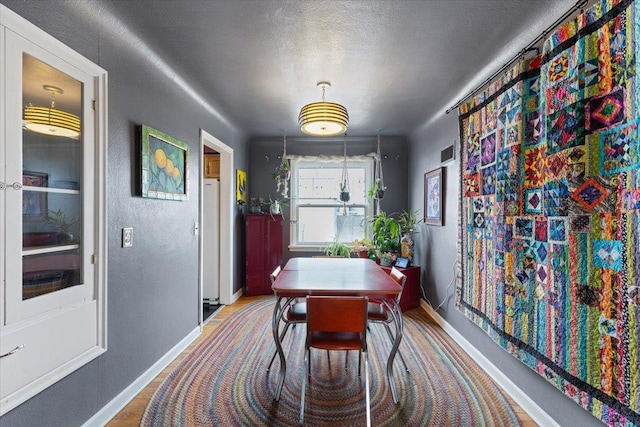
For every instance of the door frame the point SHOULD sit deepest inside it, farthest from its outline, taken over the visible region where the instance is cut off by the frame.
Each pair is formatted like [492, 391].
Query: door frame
[227, 210]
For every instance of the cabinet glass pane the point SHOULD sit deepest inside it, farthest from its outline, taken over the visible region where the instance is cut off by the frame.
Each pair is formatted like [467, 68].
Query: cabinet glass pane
[50, 272]
[52, 157]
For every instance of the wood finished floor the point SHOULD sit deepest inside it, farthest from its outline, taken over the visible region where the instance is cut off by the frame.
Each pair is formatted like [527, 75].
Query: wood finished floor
[131, 415]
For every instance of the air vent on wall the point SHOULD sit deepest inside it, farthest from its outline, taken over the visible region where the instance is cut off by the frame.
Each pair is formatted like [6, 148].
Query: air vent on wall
[447, 154]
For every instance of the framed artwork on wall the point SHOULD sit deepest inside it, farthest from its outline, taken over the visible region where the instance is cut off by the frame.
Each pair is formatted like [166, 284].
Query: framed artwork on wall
[433, 194]
[164, 165]
[241, 187]
[34, 203]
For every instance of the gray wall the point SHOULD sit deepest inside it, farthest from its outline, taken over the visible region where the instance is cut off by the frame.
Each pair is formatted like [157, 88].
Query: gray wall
[394, 168]
[436, 252]
[152, 287]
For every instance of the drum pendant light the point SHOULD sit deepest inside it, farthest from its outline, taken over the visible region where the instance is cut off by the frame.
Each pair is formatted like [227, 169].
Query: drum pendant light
[323, 118]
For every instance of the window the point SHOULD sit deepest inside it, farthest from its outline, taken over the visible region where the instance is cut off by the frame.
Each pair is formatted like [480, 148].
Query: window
[317, 214]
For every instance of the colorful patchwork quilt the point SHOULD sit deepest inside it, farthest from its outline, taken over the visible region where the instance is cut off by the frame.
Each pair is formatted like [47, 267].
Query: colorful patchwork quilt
[549, 236]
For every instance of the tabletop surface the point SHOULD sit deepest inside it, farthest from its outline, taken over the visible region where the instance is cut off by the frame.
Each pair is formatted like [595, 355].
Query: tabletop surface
[333, 276]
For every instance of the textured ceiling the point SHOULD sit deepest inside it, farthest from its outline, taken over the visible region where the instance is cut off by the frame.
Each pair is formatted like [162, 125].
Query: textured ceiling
[395, 65]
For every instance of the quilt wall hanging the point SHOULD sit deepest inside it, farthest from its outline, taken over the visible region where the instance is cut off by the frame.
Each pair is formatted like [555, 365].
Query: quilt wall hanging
[549, 235]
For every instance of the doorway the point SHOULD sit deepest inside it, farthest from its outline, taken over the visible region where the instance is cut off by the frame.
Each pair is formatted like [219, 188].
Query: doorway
[225, 222]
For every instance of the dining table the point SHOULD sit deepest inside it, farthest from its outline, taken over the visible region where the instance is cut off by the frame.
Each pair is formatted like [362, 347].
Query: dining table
[335, 277]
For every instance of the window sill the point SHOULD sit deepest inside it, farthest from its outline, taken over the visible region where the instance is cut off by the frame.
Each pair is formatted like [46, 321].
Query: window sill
[301, 248]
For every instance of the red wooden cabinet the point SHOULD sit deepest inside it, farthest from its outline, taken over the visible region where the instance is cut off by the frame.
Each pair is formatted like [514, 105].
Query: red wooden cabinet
[263, 251]
[411, 293]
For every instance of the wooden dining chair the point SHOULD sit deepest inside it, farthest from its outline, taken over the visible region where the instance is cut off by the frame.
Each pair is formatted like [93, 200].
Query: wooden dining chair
[294, 314]
[378, 313]
[336, 323]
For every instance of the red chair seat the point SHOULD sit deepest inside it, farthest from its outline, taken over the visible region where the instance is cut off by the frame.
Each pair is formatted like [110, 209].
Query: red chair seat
[336, 340]
[376, 312]
[297, 312]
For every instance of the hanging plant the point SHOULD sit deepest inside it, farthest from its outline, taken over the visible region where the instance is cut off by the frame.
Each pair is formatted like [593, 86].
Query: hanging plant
[283, 173]
[377, 190]
[344, 181]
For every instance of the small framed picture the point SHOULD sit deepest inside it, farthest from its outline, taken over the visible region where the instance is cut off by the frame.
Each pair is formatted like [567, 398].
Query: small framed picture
[402, 262]
[433, 193]
[34, 202]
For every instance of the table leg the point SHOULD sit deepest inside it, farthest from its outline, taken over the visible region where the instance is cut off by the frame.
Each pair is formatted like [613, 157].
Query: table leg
[396, 313]
[278, 312]
[275, 321]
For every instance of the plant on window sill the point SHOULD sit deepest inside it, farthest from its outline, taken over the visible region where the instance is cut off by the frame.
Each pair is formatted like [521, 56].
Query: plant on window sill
[337, 249]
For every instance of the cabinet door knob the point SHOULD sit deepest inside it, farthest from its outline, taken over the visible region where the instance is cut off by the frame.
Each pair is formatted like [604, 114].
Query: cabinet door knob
[12, 351]
[16, 185]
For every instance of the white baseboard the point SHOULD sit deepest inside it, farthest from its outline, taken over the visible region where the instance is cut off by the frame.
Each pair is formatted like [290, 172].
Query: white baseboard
[237, 295]
[111, 409]
[532, 409]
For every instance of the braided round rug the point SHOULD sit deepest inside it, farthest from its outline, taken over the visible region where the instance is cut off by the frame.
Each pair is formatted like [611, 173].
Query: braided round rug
[224, 381]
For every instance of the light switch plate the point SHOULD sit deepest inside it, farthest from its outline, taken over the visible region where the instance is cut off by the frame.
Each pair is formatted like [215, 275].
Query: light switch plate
[127, 237]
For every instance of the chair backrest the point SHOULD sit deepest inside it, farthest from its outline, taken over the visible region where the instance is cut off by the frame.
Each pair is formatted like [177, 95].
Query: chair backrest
[337, 314]
[275, 274]
[400, 279]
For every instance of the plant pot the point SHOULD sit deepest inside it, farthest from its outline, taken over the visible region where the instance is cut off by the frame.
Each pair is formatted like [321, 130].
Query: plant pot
[284, 175]
[344, 196]
[386, 261]
[254, 209]
[379, 193]
[65, 238]
[275, 208]
[364, 253]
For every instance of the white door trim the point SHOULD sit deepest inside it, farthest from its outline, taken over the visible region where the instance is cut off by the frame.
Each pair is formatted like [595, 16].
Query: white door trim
[227, 210]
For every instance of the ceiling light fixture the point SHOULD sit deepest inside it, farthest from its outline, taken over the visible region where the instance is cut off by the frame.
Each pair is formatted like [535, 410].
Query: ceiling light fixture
[51, 121]
[323, 118]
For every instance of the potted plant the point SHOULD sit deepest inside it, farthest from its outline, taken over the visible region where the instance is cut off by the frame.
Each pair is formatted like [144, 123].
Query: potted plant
[255, 204]
[408, 221]
[377, 190]
[344, 192]
[282, 175]
[63, 224]
[386, 259]
[361, 247]
[386, 233]
[274, 206]
[337, 248]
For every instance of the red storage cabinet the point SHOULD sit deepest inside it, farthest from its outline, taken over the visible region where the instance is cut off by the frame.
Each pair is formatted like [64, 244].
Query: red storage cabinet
[411, 292]
[263, 251]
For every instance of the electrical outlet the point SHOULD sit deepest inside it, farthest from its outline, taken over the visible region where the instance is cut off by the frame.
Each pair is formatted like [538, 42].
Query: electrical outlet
[127, 237]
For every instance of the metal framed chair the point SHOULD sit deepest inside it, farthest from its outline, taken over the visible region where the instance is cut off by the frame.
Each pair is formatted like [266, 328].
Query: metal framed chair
[378, 313]
[336, 323]
[296, 313]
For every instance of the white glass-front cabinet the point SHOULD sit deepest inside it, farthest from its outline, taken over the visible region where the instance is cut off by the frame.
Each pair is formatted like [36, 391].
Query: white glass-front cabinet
[52, 210]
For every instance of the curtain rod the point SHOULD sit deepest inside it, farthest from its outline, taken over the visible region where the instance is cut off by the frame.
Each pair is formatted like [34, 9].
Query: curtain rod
[528, 48]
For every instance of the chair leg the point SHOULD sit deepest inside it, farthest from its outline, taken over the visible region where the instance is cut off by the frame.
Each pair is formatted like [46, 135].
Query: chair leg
[366, 384]
[386, 326]
[307, 362]
[282, 335]
[329, 360]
